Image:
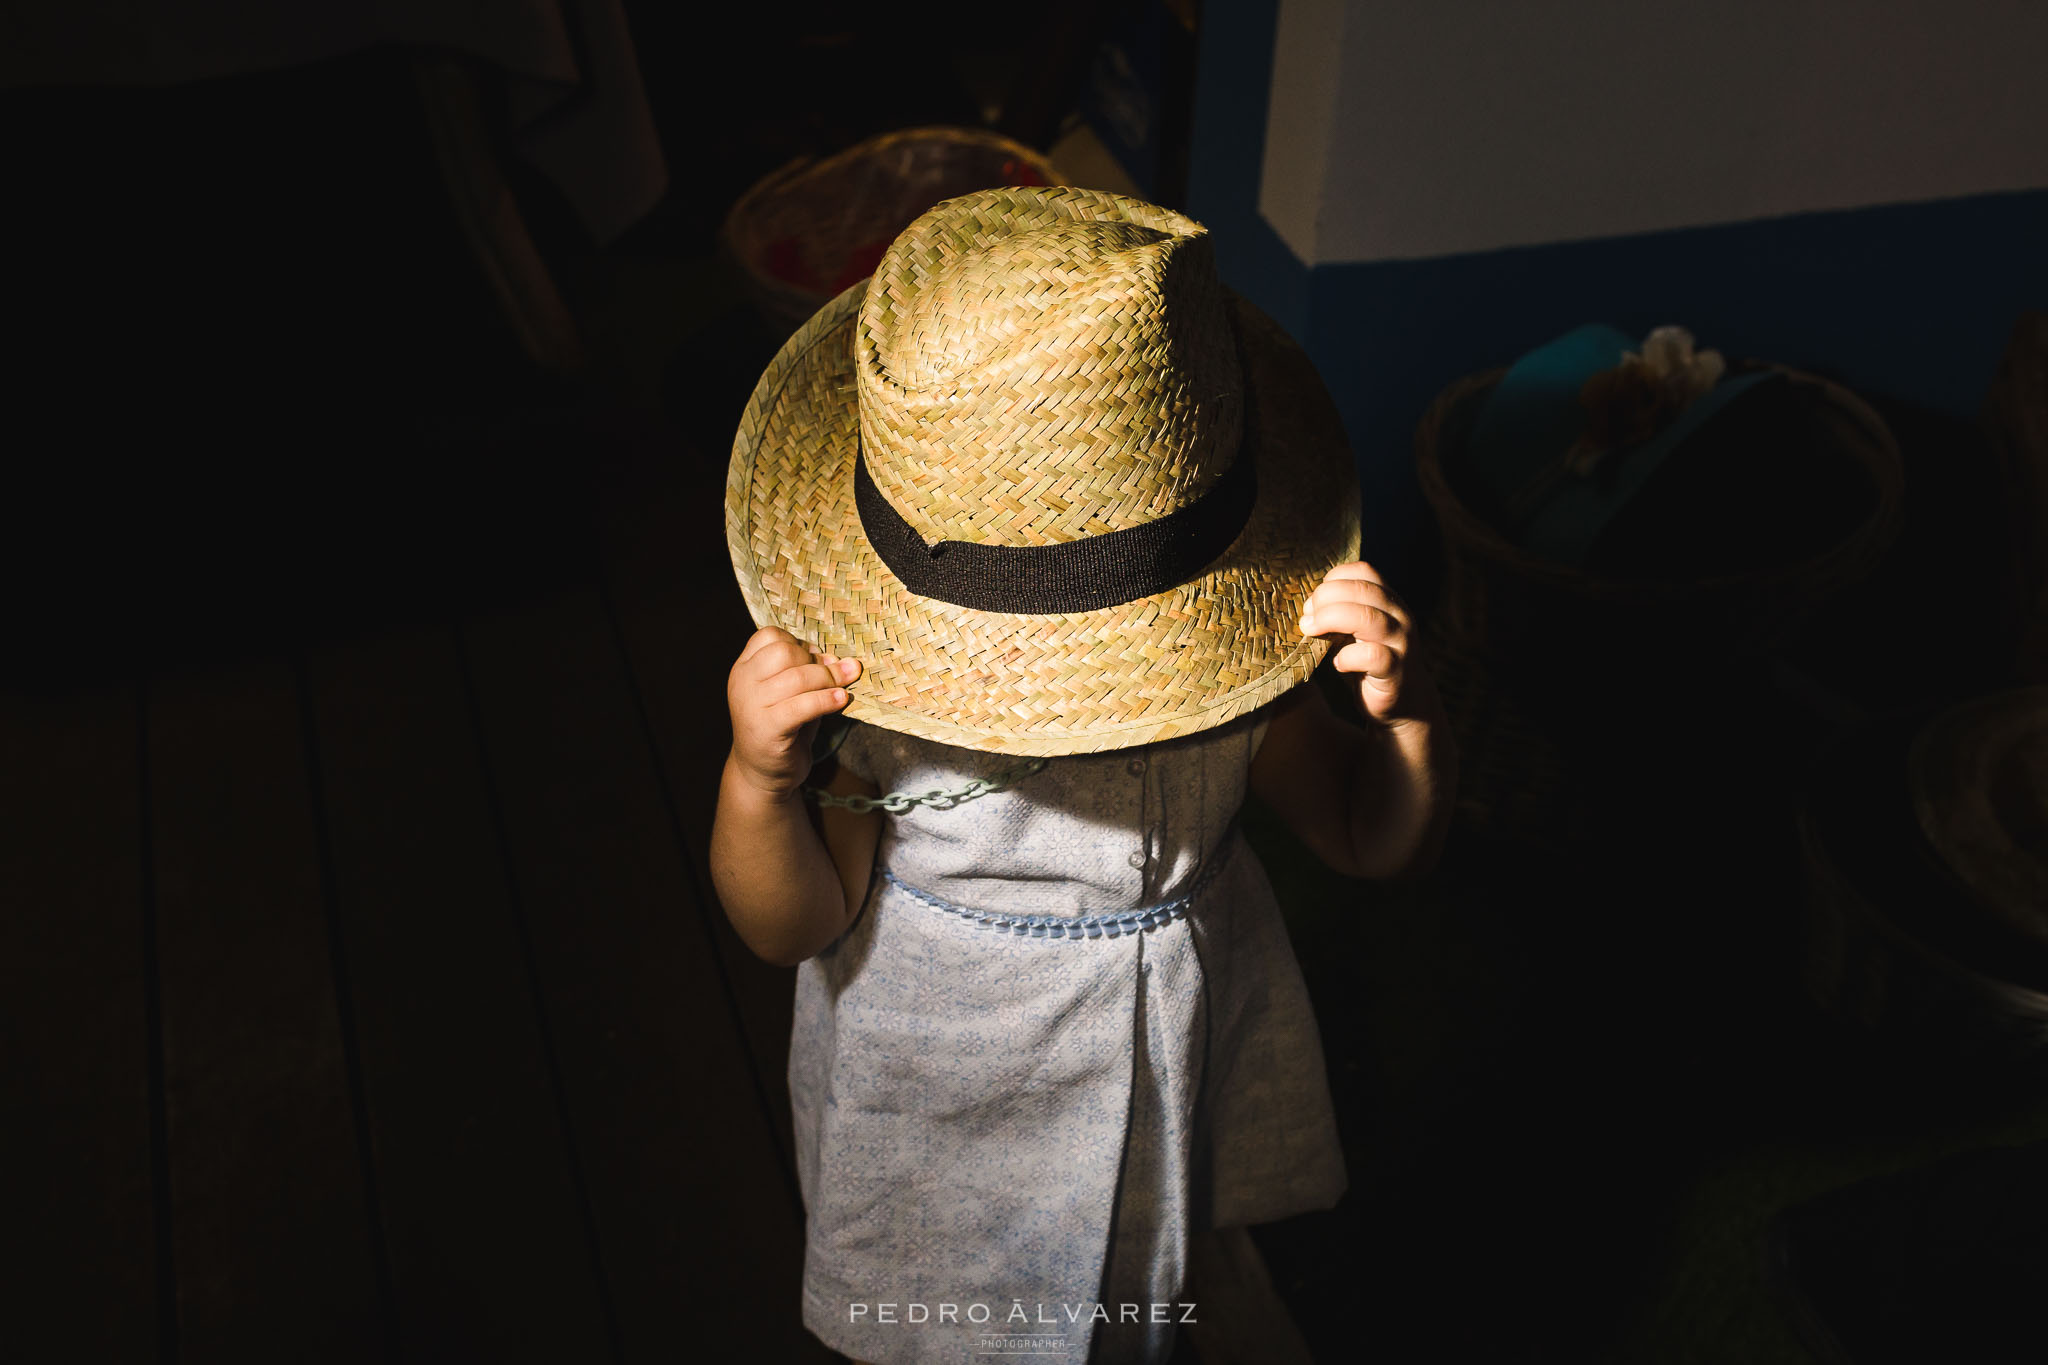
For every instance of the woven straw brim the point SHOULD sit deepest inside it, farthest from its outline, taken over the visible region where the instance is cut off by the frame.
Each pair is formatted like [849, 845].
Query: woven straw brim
[1170, 664]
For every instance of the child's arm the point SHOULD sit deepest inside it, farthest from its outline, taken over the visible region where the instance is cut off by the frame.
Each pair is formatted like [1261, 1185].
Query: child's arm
[790, 887]
[1374, 802]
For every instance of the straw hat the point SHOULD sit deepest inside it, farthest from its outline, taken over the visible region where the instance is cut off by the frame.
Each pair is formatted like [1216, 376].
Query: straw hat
[1054, 486]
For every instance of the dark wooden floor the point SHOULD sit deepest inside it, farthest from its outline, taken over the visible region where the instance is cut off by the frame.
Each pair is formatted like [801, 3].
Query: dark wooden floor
[361, 709]
[366, 1001]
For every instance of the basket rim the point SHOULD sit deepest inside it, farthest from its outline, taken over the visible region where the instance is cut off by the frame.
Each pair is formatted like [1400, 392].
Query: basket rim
[1465, 529]
[806, 166]
[1860, 910]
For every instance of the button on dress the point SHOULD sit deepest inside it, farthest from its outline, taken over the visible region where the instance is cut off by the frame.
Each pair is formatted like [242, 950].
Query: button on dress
[1065, 1029]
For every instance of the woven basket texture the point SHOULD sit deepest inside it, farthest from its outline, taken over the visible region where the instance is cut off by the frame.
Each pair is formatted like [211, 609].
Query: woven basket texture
[1899, 948]
[1866, 971]
[812, 227]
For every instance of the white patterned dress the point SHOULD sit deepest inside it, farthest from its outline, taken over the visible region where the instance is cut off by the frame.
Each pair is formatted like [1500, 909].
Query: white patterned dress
[1066, 1028]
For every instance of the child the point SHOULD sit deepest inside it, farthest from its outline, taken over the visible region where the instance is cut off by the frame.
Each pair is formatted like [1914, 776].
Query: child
[1061, 526]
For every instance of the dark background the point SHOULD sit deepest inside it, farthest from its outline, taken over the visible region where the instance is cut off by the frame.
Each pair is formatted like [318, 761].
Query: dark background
[360, 717]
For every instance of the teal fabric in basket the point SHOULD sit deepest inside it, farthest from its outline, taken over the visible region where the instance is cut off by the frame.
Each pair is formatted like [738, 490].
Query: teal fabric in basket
[1531, 418]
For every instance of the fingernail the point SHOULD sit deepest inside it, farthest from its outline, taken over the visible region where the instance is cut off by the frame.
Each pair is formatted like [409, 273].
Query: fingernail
[849, 669]
[839, 696]
[1308, 621]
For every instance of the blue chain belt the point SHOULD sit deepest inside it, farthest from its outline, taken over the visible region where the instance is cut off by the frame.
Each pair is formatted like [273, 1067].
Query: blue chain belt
[1111, 925]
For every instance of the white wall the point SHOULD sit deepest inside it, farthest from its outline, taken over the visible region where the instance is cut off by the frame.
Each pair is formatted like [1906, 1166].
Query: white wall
[1411, 128]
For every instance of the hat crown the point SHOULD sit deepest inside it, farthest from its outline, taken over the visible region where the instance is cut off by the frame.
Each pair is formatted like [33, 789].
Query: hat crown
[1039, 365]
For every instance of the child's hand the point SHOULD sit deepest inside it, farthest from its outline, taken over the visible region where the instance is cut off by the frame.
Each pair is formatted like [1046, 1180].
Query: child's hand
[1370, 628]
[778, 691]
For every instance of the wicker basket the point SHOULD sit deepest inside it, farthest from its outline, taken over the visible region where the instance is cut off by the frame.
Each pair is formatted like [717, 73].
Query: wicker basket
[1899, 950]
[1524, 649]
[807, 231]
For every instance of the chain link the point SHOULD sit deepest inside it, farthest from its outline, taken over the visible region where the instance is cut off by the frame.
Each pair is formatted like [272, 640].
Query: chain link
[898, 802]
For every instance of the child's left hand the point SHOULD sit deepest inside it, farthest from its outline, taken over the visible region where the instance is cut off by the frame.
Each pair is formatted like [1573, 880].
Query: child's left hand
[1370, 628]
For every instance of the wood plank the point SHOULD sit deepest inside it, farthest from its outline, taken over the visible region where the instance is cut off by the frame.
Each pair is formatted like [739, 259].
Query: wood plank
[272, 1211]
[485, 1227]
[690, 1204]
[683, 623]
[74, 1045]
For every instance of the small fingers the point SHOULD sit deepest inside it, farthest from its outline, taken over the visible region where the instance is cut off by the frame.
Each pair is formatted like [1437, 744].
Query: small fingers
[807, 678]
[848, 669]
[1362, 591]
[764, 637]
[793, 713]
[1350, 618]
[772, 658]
[1370, 657]
[1362, 573]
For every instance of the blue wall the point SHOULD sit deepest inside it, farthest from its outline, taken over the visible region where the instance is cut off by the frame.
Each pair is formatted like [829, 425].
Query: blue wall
[1914, 301]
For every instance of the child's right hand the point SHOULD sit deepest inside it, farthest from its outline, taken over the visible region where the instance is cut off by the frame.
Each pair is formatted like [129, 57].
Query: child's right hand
[777, 692]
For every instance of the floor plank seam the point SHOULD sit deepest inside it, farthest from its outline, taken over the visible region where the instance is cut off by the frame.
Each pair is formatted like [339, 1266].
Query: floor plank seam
[558, 1088]
[707, 904]
[344, 1005]
[153, 1015]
